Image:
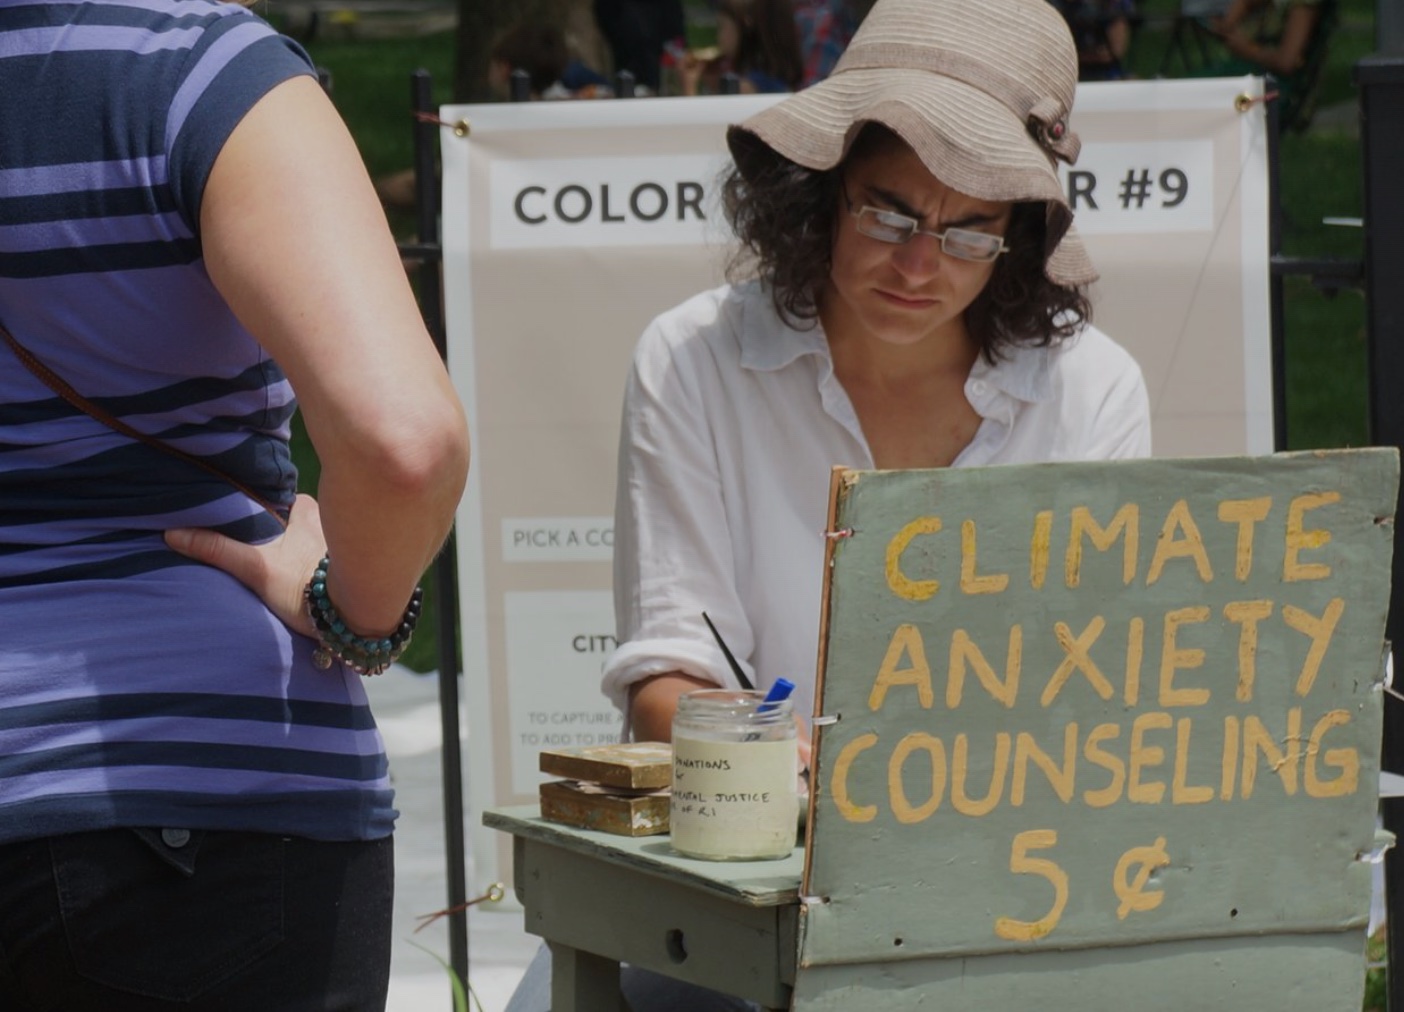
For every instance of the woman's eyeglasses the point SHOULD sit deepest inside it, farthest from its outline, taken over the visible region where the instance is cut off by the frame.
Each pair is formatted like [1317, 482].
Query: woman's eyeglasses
[961, 243]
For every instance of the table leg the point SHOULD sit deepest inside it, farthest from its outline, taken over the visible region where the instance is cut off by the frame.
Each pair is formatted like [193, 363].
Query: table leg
[584, 982]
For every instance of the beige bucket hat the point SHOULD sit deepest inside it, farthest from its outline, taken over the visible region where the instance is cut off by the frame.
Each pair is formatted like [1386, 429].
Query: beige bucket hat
[980, 89]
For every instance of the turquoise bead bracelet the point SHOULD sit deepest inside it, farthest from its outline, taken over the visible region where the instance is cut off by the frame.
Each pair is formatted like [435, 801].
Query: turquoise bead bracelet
[364, 655]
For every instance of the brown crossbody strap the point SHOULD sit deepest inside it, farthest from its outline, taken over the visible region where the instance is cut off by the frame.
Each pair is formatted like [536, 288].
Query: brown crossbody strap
[59, 386]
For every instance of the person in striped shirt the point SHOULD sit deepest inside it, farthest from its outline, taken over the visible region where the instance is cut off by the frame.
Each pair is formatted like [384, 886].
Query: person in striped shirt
[195, 805]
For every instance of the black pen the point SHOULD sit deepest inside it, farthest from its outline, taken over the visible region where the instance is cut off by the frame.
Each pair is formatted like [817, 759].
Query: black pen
[735, 668]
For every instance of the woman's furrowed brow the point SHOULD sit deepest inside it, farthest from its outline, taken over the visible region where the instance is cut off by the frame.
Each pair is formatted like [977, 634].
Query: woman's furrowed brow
[894, 201]
[899, 205]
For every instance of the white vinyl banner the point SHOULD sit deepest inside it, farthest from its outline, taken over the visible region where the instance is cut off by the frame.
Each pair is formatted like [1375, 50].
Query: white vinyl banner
[569, 225]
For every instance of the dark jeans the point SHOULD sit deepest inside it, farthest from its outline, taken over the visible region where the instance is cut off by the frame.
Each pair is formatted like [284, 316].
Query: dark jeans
[146, 920]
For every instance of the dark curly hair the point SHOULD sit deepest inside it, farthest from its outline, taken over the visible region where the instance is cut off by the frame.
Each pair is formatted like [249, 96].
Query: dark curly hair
[785, 214]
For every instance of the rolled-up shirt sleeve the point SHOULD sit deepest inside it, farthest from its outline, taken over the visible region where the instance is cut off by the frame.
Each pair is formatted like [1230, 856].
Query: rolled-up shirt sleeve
[673, 550]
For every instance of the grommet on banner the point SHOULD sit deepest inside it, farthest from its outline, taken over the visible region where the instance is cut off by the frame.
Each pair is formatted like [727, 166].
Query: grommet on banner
[495, 894]
[460, 129]
[1244, 101]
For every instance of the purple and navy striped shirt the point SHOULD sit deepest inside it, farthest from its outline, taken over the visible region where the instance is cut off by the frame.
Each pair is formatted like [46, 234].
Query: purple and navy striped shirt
[138, 688]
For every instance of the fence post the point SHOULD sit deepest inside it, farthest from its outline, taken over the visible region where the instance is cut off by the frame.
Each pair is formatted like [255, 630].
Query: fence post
[1380, 79]
[426, 135]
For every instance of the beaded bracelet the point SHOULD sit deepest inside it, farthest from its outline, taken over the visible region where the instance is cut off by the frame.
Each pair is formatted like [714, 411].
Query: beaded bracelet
[365, 656]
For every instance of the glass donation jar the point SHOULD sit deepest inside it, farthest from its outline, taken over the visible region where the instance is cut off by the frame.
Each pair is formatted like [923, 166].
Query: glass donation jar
[735, 764]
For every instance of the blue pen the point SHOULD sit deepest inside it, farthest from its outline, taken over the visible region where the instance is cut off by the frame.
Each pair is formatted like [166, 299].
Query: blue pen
[779, 691]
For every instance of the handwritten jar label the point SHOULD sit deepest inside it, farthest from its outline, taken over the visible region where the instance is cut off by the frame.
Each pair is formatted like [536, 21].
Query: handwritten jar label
[734, 800]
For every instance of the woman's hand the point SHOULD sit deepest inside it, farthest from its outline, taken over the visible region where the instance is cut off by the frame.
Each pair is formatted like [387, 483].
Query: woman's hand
[277, 571]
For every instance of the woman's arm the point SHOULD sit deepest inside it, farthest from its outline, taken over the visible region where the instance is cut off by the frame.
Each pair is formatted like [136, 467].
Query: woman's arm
[653, 701]
[674, 555]
[296, 242]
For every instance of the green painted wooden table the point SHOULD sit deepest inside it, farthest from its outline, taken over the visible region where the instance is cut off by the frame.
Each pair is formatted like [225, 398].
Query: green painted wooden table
[599, 900]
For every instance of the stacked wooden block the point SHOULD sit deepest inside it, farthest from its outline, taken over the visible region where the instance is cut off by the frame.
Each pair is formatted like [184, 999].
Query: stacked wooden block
[622, 789]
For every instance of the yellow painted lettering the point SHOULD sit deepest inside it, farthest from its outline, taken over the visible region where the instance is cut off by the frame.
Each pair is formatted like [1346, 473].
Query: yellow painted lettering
[902, 808]
[1245, 513]
[1175, 658]
[1346, 760]
[960, 765]
[1076, 659]
[1021, 864]
[1182, 792]
[839, 780]
[1039, 548]
[1229, 776]
[906, 641]
[970, 581]
[1247, 615]
[1320, 631]
[1126, 525]
[1230, 760]
[1095, 754]
[1143, 755]
[1135, 651]
[898, 581]
[1060, 779]
[1300, 540]
[1283, 761]
[964, 651]
[1188, 545]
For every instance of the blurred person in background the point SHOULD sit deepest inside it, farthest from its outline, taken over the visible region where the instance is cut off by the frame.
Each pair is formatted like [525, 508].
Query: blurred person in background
[1101, 30]
[637, 31]
[541, 50]
[1269, 35]
[538, 49]
[758, 40]
[825, 29]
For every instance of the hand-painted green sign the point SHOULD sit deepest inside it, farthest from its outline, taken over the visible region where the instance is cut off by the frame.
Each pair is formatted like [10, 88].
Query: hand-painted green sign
[1104, 704]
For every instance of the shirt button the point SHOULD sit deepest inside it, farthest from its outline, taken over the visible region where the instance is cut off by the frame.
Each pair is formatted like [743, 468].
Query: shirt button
[175, 838]
[978, 388]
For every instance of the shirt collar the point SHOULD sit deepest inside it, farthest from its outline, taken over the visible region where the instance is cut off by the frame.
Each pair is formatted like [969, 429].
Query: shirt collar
[768, 343]
[1023, 372]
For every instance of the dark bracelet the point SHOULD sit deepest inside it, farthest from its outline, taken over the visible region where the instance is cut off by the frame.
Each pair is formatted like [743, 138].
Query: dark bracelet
[365, 656]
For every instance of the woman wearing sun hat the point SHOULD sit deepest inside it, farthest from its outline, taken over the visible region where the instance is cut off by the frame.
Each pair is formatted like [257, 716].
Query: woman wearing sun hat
[916, 299]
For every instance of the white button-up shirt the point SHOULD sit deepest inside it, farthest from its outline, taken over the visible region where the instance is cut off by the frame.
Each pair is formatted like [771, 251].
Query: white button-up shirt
[732, 423]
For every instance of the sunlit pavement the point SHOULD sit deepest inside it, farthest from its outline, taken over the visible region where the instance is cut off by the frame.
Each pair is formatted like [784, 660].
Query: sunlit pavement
[406, 707]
